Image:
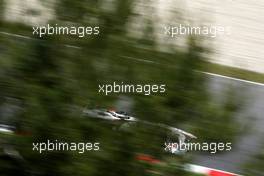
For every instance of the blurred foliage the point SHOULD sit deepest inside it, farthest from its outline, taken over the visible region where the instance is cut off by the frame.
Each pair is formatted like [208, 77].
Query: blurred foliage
[223, 113]
[1, 8]
[255, 165]
[53, 82]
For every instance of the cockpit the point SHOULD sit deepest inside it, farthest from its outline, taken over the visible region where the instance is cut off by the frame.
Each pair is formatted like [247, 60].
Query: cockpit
[122, 112]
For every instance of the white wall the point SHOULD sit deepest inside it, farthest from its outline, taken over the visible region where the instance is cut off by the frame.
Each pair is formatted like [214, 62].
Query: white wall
[19, 11]
[244, 48]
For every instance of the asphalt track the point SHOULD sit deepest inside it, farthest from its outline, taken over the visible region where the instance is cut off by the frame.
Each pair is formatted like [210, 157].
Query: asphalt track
[250, 117]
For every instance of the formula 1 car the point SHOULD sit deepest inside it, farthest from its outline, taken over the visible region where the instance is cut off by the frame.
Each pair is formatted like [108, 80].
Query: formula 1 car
[123, 116]
[12, 162]
[6, 129]
[111, 115]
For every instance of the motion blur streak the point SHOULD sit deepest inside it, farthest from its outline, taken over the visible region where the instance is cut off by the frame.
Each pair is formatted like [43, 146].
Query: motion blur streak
[47, 84]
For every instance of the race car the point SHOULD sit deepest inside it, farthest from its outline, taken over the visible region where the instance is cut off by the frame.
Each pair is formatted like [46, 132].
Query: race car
[176, 135]
[109, 115]
[7, 129]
